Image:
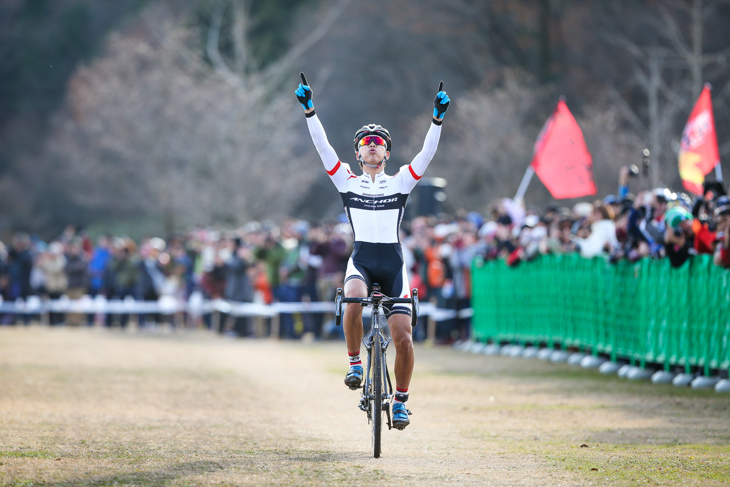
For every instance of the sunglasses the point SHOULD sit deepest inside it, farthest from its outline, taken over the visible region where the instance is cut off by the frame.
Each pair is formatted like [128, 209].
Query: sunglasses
[370, 139]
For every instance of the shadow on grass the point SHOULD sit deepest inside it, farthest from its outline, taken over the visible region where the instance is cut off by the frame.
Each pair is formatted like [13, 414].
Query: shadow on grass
[287, 462]
[147, 477]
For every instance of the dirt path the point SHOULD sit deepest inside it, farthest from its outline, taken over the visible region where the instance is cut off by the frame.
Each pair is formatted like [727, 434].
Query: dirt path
[92, 407]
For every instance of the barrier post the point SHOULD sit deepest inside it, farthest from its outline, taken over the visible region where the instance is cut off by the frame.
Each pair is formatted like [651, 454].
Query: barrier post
[431, 327]
[275, 327]
[215, 321]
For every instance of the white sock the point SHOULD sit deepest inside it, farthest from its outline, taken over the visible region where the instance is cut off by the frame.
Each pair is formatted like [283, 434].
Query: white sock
[355, 359]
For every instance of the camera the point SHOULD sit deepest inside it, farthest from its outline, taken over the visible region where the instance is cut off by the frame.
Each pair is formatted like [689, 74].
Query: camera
[714, 188]
[645, 160]
[633, 171]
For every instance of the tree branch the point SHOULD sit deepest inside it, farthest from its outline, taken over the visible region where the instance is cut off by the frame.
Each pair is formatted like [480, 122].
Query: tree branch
[627, 110]
[674, 35]
[211, 48]
[276, 69]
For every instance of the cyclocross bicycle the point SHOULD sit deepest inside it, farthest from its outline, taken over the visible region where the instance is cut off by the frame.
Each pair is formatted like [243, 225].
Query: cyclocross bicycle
[377, 390]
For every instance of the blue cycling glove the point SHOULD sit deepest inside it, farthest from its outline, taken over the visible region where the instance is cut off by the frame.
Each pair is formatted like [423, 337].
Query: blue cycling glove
[441, 102]
[304, 93]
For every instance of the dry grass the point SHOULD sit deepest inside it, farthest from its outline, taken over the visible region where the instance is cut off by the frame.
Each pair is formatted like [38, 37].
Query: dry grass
[93, 407]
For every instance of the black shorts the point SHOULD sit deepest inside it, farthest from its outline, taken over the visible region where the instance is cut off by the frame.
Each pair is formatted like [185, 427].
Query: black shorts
[382, 264]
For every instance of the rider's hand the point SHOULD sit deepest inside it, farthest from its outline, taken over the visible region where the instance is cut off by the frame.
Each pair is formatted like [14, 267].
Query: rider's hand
[304, 94]
[440, 103]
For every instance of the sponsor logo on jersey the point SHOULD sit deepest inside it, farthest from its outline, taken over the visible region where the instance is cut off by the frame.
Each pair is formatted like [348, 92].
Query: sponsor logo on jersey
[373, 201]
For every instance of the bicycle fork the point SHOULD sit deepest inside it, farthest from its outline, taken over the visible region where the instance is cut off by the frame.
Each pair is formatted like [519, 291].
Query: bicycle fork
[367, 395]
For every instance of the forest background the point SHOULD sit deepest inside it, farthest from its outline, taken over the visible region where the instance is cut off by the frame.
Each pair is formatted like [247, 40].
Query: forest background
[152, 116]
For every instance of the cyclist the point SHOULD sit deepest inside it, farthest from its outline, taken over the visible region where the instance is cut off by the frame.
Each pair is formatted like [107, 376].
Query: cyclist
[374, 203]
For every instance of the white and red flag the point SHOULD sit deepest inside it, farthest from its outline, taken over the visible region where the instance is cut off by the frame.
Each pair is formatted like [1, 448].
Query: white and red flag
[561, 158]
[698, 152]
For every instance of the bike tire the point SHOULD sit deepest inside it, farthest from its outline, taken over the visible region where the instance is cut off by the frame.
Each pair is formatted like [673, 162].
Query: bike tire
[376, 404]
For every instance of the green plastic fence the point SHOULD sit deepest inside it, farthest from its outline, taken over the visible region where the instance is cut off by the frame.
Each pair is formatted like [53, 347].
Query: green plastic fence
[644, 312]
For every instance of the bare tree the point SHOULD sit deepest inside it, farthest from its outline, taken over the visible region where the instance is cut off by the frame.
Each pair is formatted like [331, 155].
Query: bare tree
[258, 80]
[150, 124]
[487, 144]
[658, 72]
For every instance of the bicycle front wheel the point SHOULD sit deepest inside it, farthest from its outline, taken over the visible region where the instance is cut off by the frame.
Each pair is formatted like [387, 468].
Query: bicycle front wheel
[376, 404]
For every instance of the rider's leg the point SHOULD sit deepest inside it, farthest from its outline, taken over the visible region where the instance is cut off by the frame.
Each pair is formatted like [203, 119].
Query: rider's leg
[400, 331]
[354, 288]
[352, 322]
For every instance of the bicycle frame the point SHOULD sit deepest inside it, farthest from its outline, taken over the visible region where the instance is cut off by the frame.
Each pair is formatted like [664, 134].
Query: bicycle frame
[377, 393]
[373, 338]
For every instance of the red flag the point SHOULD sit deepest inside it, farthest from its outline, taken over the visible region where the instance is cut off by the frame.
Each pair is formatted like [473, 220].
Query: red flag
[698, 152]
[561, 160]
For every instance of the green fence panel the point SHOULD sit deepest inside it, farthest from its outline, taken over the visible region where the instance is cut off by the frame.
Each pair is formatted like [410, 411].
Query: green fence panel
[645, 311]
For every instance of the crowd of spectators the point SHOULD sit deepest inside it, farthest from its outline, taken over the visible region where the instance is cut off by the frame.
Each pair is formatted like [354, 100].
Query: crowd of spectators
[258, 263]
[656, 223]
[296, 261]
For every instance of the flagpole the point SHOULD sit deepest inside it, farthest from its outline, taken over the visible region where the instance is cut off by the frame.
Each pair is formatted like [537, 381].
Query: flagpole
[525, 182]
[718, 168]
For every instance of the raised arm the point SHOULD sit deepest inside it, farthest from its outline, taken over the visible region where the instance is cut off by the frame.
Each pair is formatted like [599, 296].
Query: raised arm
[419, 164]
[316, 130]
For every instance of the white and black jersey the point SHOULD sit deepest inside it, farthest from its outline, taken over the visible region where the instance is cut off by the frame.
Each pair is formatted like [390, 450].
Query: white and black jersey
[375, 209]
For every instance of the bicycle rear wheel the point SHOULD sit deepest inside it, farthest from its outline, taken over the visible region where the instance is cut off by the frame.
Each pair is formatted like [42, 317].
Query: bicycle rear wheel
[376, 404]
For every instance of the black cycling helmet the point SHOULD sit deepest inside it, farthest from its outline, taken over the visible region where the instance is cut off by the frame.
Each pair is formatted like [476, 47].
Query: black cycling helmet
[372, 129]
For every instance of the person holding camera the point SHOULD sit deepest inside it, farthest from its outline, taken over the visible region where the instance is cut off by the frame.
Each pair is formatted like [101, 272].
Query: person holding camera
[704, 226]
[722, 235]
[679, 237]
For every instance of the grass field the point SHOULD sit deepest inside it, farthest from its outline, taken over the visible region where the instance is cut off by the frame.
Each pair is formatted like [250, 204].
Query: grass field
[98, 407]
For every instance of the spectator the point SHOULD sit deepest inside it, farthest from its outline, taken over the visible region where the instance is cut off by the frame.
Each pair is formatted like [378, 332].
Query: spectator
[332, 246]
[20, 264]
[5, 284]
[53, 264]
[183, 261]
[151, 276]
[310, 290]
[292, 271]
[464, 248]
[239, 287]
[647, 221]
[97, 268]
[213, 281]
[532, 232]
[78, 277]
[679, 237]
[602, 238]
[627, 243]
[120, 281]
[560, 237]
[505, 245]
[703, 225]
[270, 251]
[722, 250]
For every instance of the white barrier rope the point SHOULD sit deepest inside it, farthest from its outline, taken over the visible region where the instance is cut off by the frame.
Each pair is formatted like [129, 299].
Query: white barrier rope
[168, 305]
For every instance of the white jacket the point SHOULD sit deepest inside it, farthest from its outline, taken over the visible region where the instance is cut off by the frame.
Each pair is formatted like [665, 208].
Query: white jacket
[602, 232]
